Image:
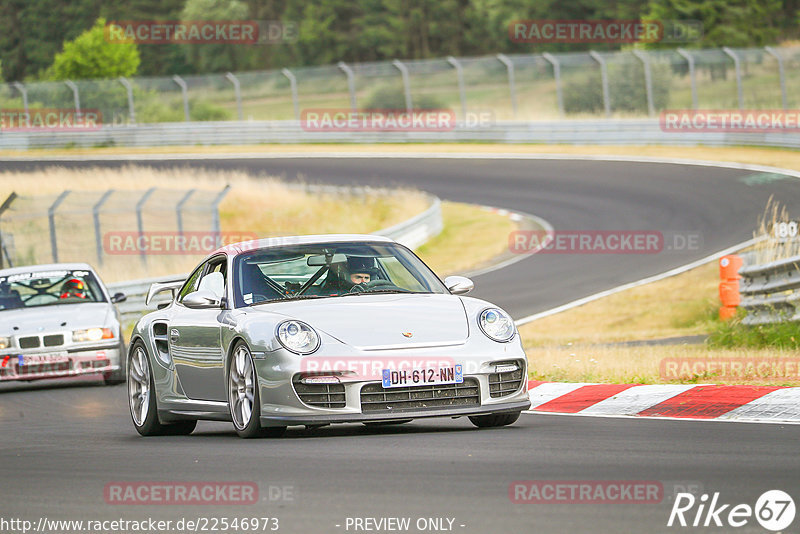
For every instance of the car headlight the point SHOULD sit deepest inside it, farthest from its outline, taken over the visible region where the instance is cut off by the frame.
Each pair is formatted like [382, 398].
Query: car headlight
[298, 337]
[5, 342]
[92, 334]
[496, 324]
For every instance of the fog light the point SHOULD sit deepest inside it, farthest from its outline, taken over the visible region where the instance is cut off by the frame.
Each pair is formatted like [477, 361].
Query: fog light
[506, 368]
[320, 380]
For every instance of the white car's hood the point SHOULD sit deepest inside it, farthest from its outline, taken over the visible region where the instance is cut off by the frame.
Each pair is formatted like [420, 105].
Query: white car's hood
[371, 322]
[56, 318]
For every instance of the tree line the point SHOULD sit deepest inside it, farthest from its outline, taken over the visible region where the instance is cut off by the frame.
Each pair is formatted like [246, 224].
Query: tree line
[37, 37]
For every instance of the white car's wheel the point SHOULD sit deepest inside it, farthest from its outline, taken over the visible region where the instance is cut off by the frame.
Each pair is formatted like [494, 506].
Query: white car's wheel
[243, 397]
[142, 398]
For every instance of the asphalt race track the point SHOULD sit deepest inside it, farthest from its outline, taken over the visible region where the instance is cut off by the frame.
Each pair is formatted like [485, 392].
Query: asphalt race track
[64, 441]
[715, 204]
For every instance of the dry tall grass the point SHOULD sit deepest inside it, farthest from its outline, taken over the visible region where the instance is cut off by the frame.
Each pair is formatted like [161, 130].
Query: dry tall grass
[262, 206]
[773, 246]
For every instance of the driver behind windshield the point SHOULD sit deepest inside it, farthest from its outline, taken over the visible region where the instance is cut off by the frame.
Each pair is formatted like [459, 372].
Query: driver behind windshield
[73, 288]
[360, 270]
[357, 271]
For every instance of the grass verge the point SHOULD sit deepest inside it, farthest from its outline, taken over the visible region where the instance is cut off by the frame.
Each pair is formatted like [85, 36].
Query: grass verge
[585, 344]
[470, 236]
[254, 207]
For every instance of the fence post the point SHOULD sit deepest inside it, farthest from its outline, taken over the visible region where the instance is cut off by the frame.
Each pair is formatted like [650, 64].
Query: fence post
[351, 83]
[21, 88]
[76, 96]
[604, 78]
[774, 53]
[557, 75]
[648, 81]
[461, 92]
[690, 60]
[185, 92]
[738, 67]
[511, 86]
[51, 218]
[6, 204]
[96, 217]
[131, 109]
[215, 214]
[406, 83]
[140, 222]
[295, 98]
[179, 210]
[238, 91]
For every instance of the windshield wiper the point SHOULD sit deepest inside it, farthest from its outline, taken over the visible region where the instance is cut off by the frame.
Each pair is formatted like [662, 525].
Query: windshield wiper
[289, 297]
[374, 291]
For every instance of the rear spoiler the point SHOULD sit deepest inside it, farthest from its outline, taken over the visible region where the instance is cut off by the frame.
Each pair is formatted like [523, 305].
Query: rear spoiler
[158, 287]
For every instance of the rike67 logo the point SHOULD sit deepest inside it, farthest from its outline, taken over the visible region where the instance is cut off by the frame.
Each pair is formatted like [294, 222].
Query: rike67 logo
[774, 510]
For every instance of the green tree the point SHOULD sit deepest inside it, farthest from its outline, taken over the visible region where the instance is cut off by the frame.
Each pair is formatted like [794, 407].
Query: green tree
[157, 59]
[216, 57]
[736, 23]
[92, 56]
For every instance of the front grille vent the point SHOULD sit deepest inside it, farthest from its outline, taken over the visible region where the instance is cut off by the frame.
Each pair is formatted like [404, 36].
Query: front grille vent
[320, 395]
[30, 342]
[376, 398]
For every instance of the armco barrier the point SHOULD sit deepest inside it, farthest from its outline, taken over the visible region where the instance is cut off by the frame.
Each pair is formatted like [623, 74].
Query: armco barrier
[412, 233]
[769, 291]
[597, 131]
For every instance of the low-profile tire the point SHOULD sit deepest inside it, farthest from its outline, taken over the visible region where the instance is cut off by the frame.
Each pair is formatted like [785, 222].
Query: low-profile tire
[386, 423]
[494, 419]
[142, 398]
[244, 400]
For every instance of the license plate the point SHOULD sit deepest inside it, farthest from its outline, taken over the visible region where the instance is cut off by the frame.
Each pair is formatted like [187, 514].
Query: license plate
[423, 377]
[38, 359]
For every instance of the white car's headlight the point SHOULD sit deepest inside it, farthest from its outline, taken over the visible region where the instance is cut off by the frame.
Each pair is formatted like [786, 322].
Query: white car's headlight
[5, 342]
[298, 337]
[92, 334]
[496, 324]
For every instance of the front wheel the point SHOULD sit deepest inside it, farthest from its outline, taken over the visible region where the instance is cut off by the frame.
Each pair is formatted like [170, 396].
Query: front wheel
[243, 397]
[142, 398]
[494, 419]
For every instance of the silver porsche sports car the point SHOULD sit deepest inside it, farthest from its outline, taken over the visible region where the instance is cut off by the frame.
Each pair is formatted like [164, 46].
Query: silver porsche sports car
[316, 330]
[56, 321]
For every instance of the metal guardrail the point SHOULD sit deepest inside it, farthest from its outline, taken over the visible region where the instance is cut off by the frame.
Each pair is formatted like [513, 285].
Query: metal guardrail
[769, 291]
[412, 233]
[594, 131]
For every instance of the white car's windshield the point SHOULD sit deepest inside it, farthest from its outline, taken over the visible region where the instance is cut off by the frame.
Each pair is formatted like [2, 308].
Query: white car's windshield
[329, 270]
[47, 288]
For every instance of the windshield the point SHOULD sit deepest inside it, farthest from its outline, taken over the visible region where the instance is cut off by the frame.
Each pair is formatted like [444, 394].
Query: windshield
[329, 270]
[47, 288]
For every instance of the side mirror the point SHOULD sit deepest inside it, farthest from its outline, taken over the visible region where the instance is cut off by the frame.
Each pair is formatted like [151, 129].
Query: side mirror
[201, 299]
[459, 285]
[118, 297]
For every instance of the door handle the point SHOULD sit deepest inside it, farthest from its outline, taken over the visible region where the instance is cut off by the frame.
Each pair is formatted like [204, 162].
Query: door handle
[174, 335]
